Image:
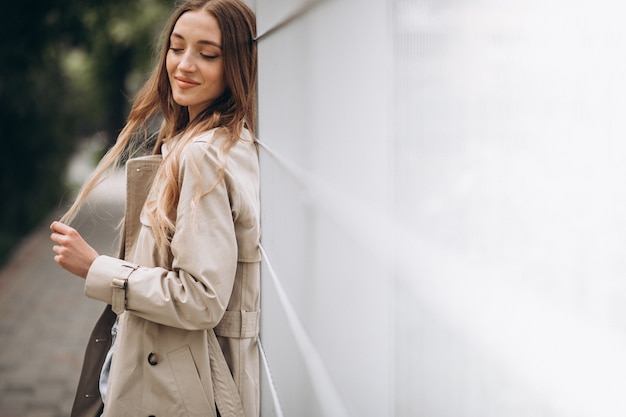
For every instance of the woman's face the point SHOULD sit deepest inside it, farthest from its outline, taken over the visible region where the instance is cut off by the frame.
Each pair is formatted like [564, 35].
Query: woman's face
[194, 61]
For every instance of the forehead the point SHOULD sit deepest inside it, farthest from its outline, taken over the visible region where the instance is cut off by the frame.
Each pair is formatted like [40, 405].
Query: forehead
[198, 26]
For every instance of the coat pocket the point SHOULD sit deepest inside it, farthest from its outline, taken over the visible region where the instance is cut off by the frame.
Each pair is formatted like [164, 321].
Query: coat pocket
[190, 388]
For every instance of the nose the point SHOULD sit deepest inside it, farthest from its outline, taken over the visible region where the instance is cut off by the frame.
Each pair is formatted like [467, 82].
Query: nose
[187, 63]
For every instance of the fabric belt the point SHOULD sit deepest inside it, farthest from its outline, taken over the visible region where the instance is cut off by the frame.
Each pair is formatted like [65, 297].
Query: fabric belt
[225, 391]
[239, 324]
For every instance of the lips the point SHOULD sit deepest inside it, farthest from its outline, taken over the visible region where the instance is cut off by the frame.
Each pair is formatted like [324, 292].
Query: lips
[185, 83]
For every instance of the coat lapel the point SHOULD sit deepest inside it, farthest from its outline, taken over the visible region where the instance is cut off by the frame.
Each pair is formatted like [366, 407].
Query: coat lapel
[140, 173]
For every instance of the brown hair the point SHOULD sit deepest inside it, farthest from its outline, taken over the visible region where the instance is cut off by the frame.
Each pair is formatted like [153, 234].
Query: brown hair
[231, 112]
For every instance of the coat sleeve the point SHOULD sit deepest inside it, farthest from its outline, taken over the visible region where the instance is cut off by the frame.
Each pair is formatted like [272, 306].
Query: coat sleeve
[194, 294]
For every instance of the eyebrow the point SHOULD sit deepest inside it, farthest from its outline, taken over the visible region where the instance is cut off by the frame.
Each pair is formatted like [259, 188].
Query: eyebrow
[201, 41]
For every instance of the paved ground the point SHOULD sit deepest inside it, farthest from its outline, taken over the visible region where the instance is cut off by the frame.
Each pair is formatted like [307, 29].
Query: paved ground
[45, 319]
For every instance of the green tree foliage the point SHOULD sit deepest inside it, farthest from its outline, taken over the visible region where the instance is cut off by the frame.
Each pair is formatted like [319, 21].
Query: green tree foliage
[114, 58]
[66, 67]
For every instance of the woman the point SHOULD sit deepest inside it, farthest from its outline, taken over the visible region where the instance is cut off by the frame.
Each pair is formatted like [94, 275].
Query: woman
[178, 336]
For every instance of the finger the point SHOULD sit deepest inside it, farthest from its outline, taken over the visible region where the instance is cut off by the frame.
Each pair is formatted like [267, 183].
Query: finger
[57, 238]
[60, 228]
[53, 225]
[60, 239]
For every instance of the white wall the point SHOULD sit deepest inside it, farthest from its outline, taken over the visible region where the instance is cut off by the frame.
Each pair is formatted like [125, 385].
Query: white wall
[443, 207]
[323, 109]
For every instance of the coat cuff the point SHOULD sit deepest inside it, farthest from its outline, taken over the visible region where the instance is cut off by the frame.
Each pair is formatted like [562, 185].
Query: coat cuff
[107, 280]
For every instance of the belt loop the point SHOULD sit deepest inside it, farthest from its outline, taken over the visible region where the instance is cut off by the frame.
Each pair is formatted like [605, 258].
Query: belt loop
[239, 324]
[118, 288]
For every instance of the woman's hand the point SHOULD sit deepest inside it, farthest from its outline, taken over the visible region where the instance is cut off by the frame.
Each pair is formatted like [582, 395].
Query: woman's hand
[72, 252]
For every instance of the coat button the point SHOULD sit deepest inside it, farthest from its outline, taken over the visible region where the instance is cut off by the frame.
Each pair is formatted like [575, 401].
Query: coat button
[153, 358]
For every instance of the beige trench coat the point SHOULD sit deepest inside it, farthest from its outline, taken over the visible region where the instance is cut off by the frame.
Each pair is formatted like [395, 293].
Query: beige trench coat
[187, 338]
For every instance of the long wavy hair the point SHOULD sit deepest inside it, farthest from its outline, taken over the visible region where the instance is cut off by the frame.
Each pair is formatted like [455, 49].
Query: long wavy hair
[231, 112]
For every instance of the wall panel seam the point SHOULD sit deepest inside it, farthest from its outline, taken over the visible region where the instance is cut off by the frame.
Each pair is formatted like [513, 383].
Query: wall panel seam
[347, 211]
[329, 399]
[266, 367]
[300, 11]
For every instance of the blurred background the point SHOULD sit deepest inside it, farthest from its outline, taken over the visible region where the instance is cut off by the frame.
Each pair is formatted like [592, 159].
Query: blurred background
[442, 200]
[68, 70]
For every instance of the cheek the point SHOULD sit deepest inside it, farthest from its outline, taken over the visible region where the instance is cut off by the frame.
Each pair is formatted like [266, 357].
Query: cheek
[215, 80]
[170, 64]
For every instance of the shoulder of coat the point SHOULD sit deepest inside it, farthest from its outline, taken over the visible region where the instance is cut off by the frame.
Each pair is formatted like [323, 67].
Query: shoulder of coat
[208, 136]
[216, 135]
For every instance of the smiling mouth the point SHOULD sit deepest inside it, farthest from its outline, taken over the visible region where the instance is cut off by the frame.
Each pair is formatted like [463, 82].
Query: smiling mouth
[185, 82]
